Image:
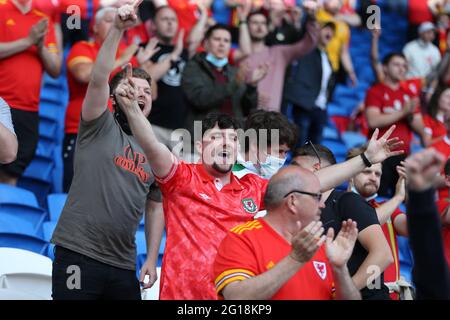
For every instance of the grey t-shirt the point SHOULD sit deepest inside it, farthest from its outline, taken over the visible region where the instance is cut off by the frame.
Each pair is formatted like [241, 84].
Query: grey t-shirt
[106, 201]
[5, 116]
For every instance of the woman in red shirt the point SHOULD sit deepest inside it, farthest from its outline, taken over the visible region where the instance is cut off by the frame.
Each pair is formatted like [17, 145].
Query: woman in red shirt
[433, 118]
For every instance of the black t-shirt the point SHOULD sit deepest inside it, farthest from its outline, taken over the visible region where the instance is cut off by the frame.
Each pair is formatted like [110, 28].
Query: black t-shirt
[341, 206]
[169, 109]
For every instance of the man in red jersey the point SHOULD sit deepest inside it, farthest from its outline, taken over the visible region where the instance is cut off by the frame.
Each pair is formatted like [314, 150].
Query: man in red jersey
[392, 219]
[27, 49]
[388, 103]
[204, 200]
[281, 256]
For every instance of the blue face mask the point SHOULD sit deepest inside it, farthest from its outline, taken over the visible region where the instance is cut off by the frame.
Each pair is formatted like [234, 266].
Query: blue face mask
[218, 63]
[271, 166]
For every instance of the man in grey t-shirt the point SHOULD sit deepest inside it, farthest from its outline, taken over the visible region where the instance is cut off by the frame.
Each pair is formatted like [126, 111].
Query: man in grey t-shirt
[8, 139]
[112, 179]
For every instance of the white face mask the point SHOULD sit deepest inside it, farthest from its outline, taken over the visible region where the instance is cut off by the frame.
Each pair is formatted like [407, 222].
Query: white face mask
[247, 164]
[368, 198]
[271, 166]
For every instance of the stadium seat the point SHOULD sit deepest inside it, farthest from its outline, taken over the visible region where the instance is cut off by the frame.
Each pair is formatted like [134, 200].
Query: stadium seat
[46, 147]
[28, 283]
[18, 218]
[353, 139]
[23, 241]
[40, 168]
[23, 261]
[40, 188]
[56, 202]
[9, 194]
[48, 127]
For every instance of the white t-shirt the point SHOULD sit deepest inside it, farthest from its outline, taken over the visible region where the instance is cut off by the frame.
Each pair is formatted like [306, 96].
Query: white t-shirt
[5, 116]
[422, 58]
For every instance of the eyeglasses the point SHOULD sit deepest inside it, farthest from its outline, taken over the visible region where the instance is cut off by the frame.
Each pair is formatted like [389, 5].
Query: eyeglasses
[317, 196]
[314, 149]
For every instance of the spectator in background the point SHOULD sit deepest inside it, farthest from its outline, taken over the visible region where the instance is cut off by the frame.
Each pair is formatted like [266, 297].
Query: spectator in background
[265, 158]
[52, 10]
[392, 219]
[386, 104]
[80, 63]
[443, 147]
[422, 55]
[309, 94]
[27, 49]
[8, 139]
[431, 273]
[270, 89]
[276, 257]
[418, 13]
[111, 185]
[371, 248]
[338, 48]
[211, 84]
[166, 67]
[433, 118]
[84, 10]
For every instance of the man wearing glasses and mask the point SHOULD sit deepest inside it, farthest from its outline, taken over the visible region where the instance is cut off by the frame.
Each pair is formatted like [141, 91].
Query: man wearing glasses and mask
[371, 255]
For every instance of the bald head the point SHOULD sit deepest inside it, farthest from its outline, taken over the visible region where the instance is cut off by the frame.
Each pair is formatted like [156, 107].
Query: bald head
[286, 180]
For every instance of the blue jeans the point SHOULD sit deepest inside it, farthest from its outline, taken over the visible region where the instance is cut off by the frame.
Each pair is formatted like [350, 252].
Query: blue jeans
[310, 124]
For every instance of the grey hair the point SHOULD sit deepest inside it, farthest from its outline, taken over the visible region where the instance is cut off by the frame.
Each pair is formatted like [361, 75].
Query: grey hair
[101, 13]
[278, 188]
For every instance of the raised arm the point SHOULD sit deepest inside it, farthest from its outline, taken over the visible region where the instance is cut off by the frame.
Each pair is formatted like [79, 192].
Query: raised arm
[374, 55]
[197, 33]
[96, 99]
[245, 42]
[377, 151]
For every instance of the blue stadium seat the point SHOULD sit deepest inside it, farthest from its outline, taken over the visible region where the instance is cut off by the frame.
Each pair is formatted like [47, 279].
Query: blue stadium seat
[9, 194]
[40, 188]
[48, 127]
[48, 228]
[40, 168]
[142, 256]
[337, 147]
[46, 147]
[23, 241]
[353, 139]
[22, 219]
[56, 202]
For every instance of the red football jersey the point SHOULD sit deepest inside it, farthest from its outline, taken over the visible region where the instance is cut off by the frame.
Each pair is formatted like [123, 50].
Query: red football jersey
[21, 73]
[442, 205]
[253, 248]
[434, 127]
[387, 101]
[443, 146]
[197, 217]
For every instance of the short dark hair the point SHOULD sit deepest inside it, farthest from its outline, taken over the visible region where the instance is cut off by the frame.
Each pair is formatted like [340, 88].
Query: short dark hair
[258, 12]
[270, 120]
[218, 26]
[387, 59]
[137, 73]
[324, 153]
[223, 121]
[447, 167]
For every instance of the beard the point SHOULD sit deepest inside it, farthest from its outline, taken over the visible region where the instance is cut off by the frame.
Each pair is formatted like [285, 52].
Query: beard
[222, 168]
[121, 118]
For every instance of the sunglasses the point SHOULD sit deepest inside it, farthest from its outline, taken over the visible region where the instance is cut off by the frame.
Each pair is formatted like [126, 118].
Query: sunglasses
[317, 196]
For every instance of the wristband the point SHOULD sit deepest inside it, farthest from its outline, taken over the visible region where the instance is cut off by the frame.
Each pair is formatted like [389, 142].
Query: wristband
[365, 160]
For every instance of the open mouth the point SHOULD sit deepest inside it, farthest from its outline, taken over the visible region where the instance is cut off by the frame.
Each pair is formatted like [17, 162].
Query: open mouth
[141, 104]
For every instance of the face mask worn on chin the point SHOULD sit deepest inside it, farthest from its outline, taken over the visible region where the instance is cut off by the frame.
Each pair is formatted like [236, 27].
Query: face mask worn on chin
[218, 63]
[247, 164]
[271, 166]
[368, 198]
